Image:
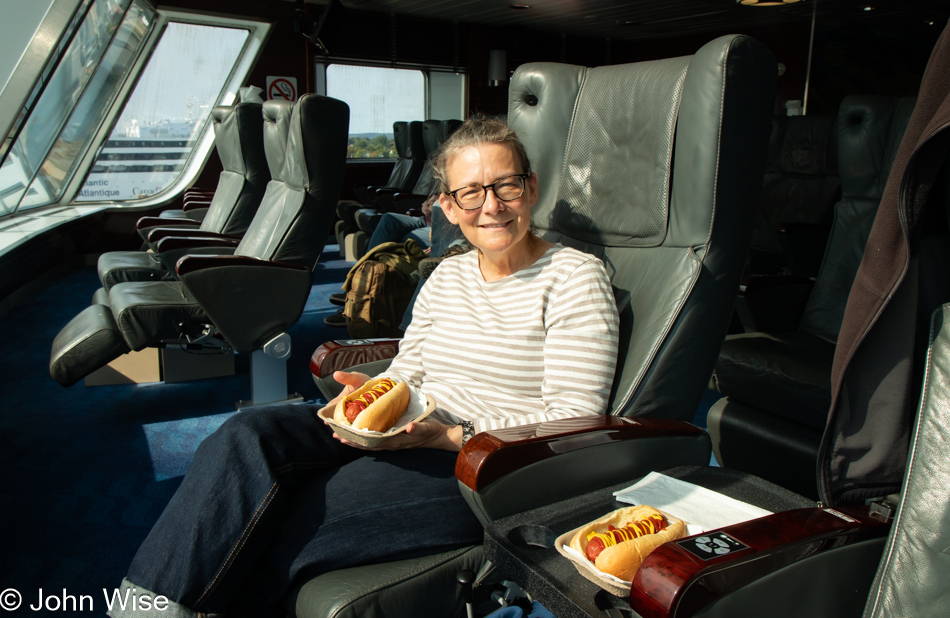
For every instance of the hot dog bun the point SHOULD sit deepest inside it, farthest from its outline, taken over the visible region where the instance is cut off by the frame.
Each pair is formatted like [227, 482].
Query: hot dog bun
[381, 414]
[623, 559]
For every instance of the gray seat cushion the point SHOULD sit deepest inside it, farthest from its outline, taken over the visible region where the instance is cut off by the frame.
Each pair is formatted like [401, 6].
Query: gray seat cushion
[148, 312]
[121, 266]
[786, 373]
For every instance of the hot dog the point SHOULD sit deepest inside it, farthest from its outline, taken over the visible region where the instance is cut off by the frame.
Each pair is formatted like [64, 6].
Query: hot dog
[618, 543]
[376, 405]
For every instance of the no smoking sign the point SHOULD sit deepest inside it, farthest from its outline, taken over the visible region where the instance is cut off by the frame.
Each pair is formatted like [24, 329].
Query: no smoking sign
[282, 88]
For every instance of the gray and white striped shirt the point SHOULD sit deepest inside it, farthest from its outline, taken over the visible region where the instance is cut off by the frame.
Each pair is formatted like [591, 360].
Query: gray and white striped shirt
[540, 344]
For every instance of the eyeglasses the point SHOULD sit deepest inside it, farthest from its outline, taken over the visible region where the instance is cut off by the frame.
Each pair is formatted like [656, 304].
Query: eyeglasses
[506, 189]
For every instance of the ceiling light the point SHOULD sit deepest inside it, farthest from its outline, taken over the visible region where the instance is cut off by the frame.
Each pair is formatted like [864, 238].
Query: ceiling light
[867, 8]
[766, 2]
[519, 6]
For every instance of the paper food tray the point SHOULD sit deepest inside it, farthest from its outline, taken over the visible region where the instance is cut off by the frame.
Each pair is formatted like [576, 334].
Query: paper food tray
[420, 406]
[613, 585]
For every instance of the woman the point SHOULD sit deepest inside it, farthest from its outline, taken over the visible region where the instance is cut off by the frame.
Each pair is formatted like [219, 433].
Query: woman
[517, 331]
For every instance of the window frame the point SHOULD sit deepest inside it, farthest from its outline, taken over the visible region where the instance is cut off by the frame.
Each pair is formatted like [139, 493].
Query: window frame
[258, 33]
[41, 57]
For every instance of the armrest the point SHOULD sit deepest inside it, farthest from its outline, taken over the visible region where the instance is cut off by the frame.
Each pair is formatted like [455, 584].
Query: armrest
[172, 248]
[156, 235]
[250, 301]
[192, 204]
[148, 223]
[341, 354]
[409, 201]
[681, 578]
[773, 303]
[173, 243]
[364, 193]
[505, 471]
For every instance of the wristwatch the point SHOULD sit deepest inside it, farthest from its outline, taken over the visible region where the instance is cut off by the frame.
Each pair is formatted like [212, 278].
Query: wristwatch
[468, 430]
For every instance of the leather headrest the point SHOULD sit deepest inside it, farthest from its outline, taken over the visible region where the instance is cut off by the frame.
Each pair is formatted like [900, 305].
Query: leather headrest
[401, 138]
[870, 128]
[417, 149]
[617, 165]
[220, 113]
[238, 135]
[448, 127]
[318, 125]
[277, 114]
[431, 136]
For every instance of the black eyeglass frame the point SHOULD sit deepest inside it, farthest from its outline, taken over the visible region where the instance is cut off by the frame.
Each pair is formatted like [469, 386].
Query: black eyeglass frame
[524, 185]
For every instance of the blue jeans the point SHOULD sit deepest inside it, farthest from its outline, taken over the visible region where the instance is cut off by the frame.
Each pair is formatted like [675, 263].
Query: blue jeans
[271, 496]
[394, 227]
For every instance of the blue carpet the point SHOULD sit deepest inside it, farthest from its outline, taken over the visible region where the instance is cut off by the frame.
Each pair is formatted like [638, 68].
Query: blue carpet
[86, 471]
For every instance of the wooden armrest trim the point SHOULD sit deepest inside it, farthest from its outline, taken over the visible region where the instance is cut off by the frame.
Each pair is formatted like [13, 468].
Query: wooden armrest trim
[673, 579]
[349, 352]
[191, 263]
[491, 455]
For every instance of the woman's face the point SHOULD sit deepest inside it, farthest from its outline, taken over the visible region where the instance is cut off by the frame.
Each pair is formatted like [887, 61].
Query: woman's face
[497, 227]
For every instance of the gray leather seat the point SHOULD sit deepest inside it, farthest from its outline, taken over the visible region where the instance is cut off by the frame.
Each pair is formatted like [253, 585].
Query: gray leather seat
[911, 579]
[777, 382]
[654, 167]
[248, 298]
[818, 561]
[239, 141]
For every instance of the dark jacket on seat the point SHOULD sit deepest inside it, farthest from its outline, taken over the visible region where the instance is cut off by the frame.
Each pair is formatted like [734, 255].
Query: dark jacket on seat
[900, 281]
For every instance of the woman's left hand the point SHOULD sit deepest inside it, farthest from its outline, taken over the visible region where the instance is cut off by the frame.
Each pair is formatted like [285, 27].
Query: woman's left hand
[418, 434]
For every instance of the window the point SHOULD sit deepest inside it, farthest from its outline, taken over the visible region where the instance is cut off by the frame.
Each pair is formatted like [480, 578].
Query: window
[119, 110]
[154, 137]
[60, 124]
[377, 97]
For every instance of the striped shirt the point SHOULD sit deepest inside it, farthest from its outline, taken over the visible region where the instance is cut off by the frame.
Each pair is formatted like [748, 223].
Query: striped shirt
[537, 345]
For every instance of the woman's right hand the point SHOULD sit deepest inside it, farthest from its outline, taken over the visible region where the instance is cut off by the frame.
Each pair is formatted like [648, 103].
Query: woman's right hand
[351, 381]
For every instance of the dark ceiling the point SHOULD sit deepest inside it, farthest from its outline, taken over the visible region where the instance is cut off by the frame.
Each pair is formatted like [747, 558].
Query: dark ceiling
[650, 19]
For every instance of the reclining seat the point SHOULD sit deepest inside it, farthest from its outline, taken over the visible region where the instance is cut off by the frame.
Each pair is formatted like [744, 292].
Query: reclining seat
[777, 383]
[239, 140]
[817, 559]
[410, 158]
[251, 297]
[655, 167]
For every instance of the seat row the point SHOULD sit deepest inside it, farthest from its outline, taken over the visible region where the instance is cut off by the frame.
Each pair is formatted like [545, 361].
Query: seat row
[410, 184]
[209, 286]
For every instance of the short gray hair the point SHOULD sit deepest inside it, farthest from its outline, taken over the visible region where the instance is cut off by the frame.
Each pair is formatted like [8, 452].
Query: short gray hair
[474, 131]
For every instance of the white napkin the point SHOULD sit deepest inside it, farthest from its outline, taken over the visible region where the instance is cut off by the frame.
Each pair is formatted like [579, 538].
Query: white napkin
[696, 505]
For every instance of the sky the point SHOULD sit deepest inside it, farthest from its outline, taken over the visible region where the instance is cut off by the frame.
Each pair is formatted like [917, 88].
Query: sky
[377, 97]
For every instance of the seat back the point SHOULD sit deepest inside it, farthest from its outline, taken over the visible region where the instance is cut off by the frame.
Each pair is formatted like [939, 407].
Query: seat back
[800, 186]
[410, 155]
[295, 215]
[911, 579]
[239, 140]
[869, 133]
[434, 132]
[654, 167]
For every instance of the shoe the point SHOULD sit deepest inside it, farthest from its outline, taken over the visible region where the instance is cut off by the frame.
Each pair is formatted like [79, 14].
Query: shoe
[338, 299]
[337, 319]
